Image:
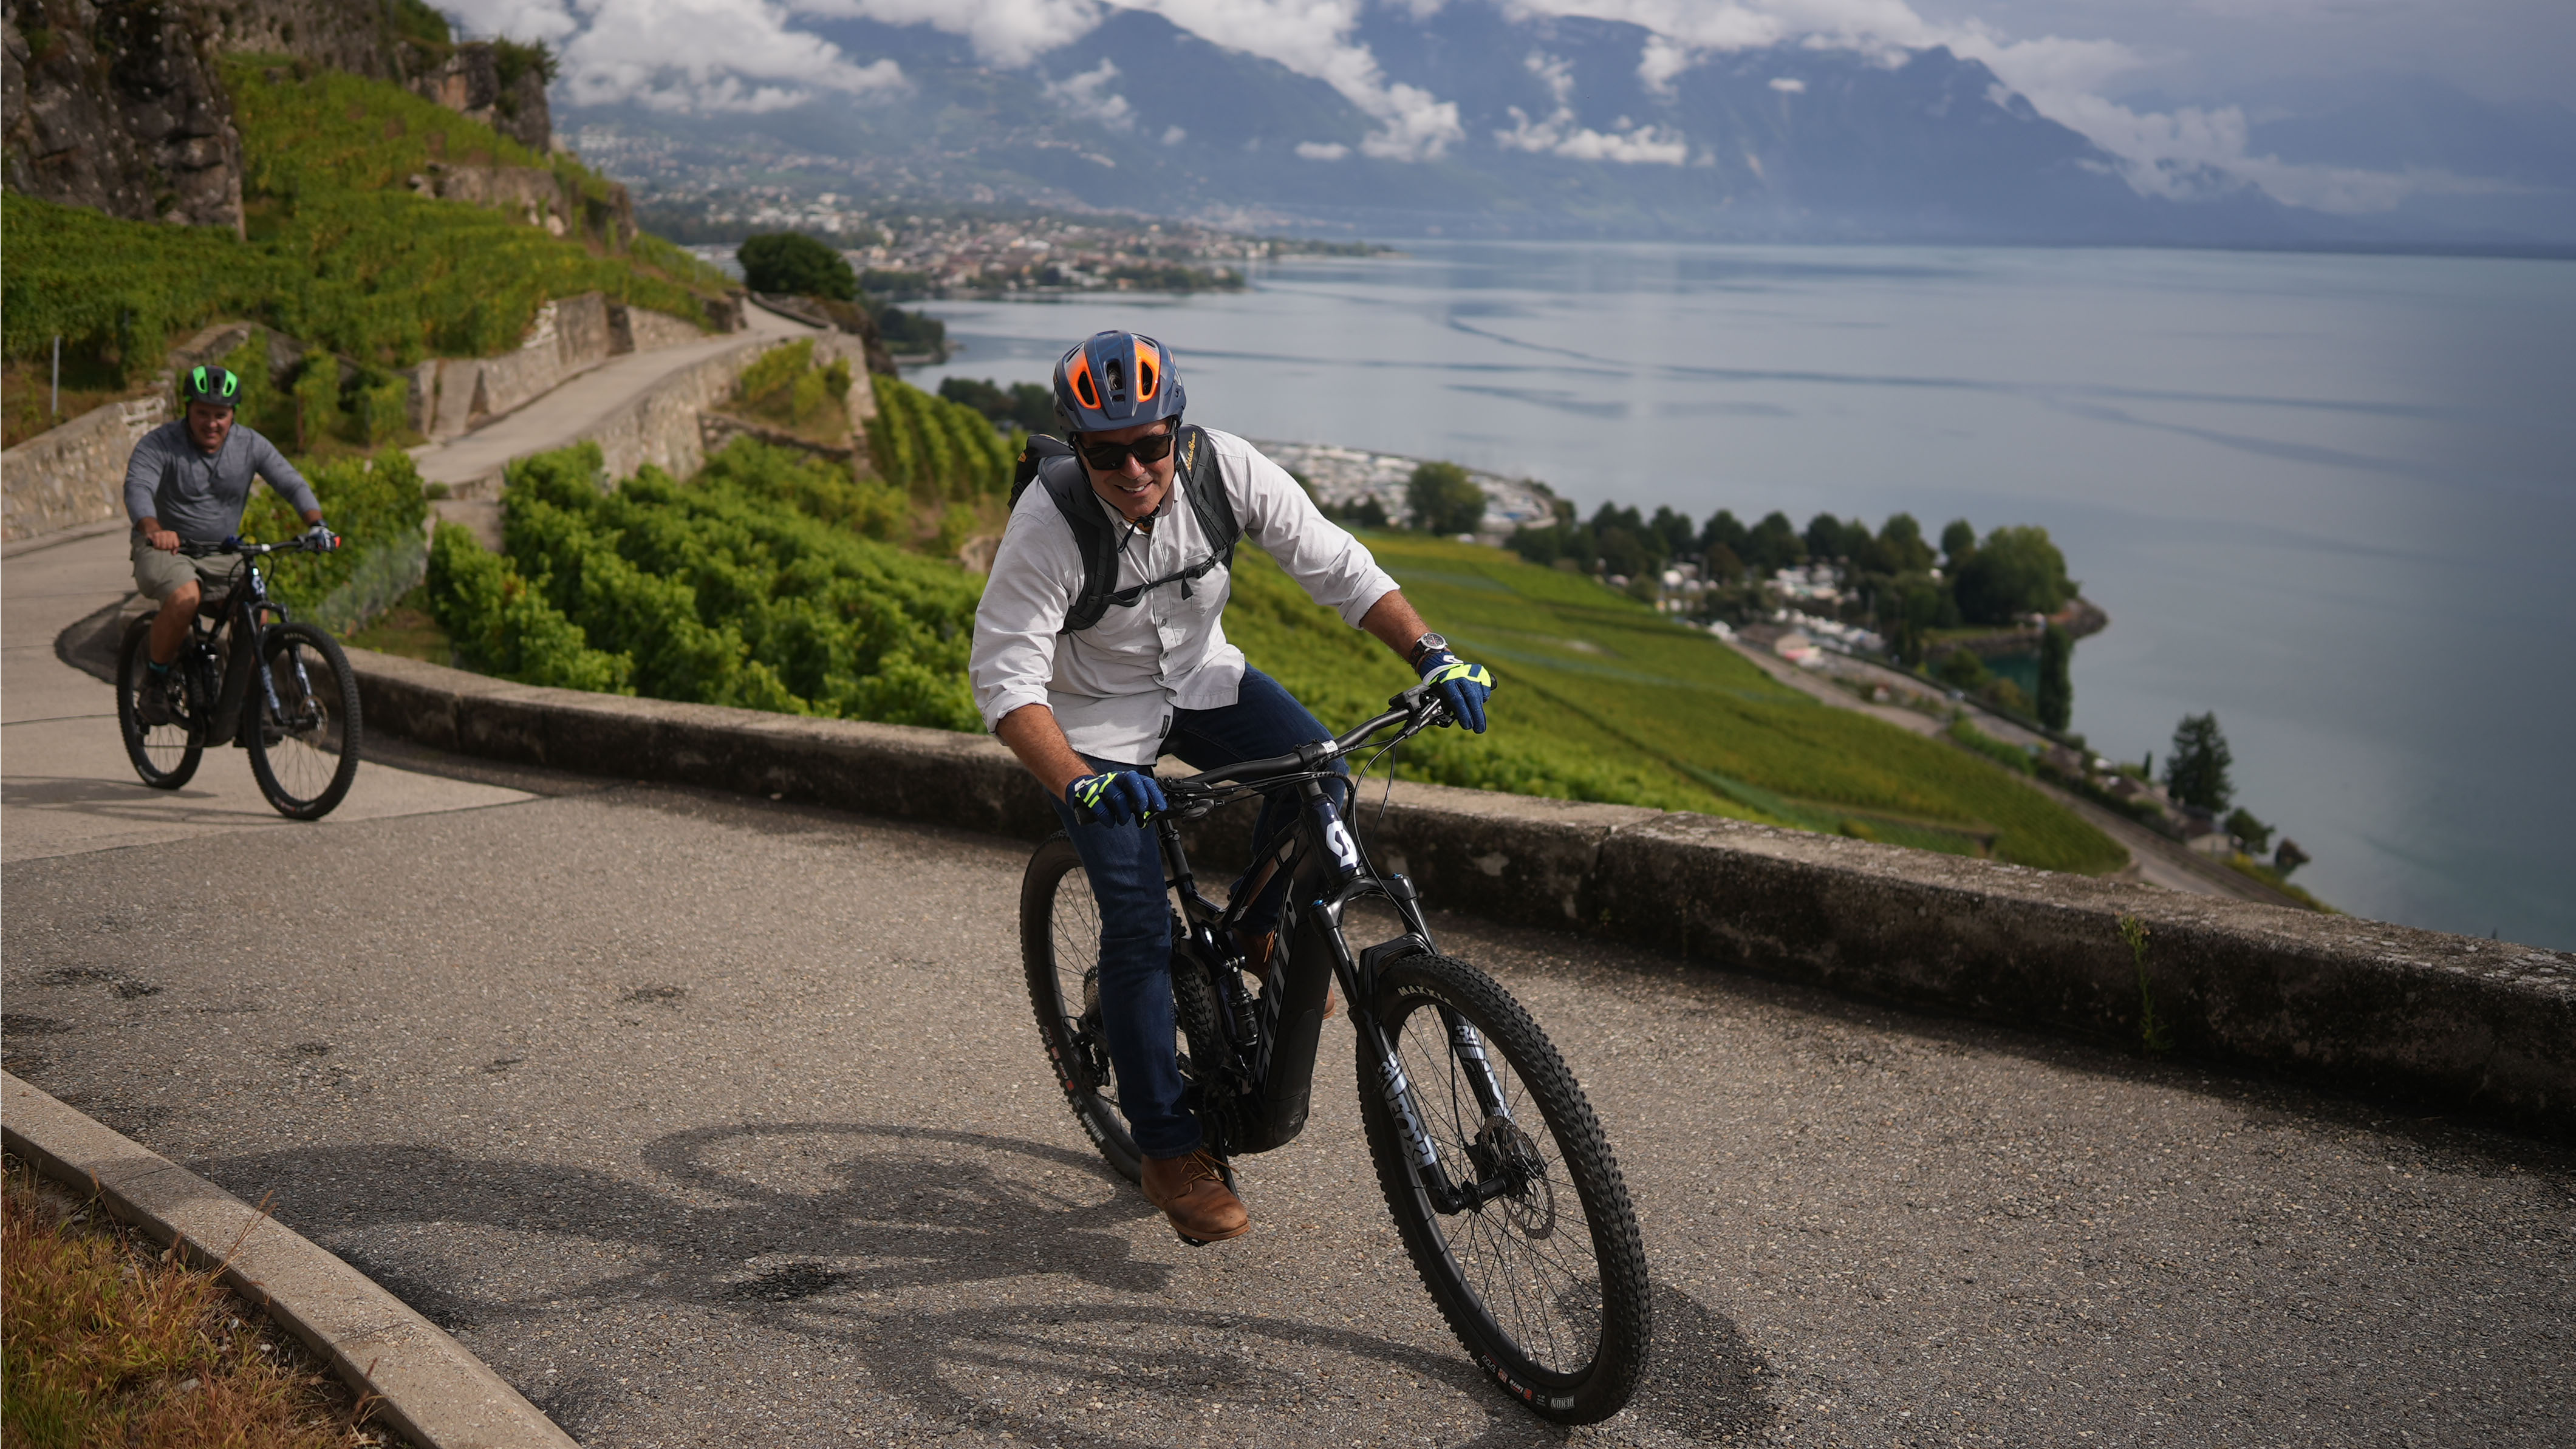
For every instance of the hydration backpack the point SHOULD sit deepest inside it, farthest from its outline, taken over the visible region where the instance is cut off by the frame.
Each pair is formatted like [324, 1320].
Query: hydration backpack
[1050, 462]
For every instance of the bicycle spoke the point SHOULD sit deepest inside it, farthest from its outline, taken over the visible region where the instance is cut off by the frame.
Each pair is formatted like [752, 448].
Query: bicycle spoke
[1536, 1276]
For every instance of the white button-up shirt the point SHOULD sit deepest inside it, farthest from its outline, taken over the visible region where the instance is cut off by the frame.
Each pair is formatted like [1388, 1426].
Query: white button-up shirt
[1113, 686]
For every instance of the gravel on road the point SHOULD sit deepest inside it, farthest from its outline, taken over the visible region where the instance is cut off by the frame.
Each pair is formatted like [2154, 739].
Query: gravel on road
[711, 1120]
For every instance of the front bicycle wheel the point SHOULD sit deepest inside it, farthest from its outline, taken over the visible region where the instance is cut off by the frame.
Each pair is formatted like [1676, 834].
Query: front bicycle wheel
[165, 754]
[305, 754]
[1060, 950]
[1542, 1275]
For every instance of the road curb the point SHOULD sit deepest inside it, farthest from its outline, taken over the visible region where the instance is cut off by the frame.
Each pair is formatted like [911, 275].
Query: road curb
[436, 1393]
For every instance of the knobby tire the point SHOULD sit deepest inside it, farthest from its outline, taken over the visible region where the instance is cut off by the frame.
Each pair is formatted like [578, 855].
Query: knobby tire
[165, 756]
[1560, 1319]
[1059, 943]
[305, 756]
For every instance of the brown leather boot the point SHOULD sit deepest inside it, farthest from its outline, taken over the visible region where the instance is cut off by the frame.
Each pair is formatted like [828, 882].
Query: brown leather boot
[1256, 959]
[1191, 1191]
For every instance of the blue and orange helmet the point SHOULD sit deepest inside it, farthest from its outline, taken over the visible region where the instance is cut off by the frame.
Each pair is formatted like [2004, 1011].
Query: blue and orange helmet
[1116, 380]
[210, 384]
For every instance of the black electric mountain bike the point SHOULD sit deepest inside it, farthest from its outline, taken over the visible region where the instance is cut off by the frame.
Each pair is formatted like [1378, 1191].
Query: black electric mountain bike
[1503, 1189]
[250, 677]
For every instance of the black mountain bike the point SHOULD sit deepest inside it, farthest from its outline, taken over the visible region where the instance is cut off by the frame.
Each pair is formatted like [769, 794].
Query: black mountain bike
[250, 677]
[1503, 1189]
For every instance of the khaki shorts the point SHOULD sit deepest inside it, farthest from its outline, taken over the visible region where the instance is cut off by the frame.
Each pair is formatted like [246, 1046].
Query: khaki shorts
[158, 575]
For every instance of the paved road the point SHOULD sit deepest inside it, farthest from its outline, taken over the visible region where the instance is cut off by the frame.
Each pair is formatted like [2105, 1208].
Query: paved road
[65, 784]
[707, 1120]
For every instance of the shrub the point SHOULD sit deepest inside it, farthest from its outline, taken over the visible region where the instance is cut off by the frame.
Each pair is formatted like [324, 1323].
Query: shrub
[377, 506]
[2016, 571]
[788, 261]
[711, 592]
[1443, 499]
[936, 448]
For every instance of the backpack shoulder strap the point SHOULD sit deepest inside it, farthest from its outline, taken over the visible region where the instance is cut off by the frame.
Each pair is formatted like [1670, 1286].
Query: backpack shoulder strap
[1207, 492]
[1062, 478]
[1039, 448]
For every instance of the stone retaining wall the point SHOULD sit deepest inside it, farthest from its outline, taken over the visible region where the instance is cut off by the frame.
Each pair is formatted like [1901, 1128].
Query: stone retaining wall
[2451, 1021]
[75, 474]
[452, 395]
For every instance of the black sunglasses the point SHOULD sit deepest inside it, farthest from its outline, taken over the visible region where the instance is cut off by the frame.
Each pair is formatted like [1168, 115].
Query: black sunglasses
[1110, 457]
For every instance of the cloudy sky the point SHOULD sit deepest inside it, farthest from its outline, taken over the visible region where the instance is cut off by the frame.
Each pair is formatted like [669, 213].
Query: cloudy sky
[2152, 81]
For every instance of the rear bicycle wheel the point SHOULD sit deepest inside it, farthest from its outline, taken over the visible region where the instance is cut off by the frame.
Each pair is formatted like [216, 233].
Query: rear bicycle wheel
[164, 755]
[1543, 1281]
[305, 754]
[1060, 951]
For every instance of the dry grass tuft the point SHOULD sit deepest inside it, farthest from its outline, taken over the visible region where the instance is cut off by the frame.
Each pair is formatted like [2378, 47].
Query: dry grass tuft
[110, 1341]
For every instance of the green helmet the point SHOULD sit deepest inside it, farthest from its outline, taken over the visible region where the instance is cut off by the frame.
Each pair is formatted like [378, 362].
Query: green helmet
[217, 385]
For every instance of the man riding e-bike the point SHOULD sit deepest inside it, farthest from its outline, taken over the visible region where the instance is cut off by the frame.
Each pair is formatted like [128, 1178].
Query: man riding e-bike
[1100, 646]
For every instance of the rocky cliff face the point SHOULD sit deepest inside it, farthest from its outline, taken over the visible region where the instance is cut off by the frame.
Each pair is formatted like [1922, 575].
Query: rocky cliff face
[503, 86]
[117, 105]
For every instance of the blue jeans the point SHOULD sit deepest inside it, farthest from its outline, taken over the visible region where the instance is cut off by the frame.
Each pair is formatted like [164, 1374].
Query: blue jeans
[1125, 864]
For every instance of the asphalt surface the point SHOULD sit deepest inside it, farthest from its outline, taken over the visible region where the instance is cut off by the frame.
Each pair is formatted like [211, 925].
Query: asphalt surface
[711, 1120]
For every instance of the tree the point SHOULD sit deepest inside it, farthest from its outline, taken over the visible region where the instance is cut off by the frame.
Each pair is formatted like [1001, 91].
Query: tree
[1673, 533]
[2289, 857]
[1775, 544]
[1622, 552]
[1898, 549]
[2196, 765]
[1443, 499]
[1824, 537]
[797, 264]
[1962, 669]
[1722, 564]
[1726, 531]
[2056, 688]
[2253, 834]
[1958, 540]
[1028, 406]
[1541, 546]
[2016, 571]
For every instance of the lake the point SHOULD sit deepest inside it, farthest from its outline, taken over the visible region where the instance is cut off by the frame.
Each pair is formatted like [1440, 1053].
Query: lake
[2331, 498]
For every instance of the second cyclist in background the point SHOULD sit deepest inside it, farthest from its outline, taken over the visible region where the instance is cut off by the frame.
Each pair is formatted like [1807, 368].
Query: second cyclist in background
[187, 483]
[1100, 645]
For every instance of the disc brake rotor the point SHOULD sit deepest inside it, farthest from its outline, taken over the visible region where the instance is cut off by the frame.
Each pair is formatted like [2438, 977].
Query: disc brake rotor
[1531, 1204]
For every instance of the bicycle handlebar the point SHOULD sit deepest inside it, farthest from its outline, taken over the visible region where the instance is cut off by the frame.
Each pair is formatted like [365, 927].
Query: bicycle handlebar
[299, 544]
[1417, 708]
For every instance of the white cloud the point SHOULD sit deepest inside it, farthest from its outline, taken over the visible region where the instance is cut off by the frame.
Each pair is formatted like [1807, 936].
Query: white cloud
[1558, 135]
[1314, 39]
[1322, 150]
[2183, 153]
[1788, 85]
[1004, 32]
[707, 55]
[545, 20]
[1662, 60]
[1174, 135]
[1087, 95]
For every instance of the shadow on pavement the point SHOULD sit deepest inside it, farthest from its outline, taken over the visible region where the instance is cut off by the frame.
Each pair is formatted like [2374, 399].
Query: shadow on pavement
[846, 1233]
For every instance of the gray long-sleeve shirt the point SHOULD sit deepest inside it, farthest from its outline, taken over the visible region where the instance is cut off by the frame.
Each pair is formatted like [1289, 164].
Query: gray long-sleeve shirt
[200, 496]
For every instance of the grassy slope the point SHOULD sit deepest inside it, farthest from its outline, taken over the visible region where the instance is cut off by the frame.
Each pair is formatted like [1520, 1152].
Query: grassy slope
[341, 253]
[1602, 699]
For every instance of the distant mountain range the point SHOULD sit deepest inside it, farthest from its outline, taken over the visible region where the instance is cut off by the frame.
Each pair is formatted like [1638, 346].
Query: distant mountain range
[1488, 122]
